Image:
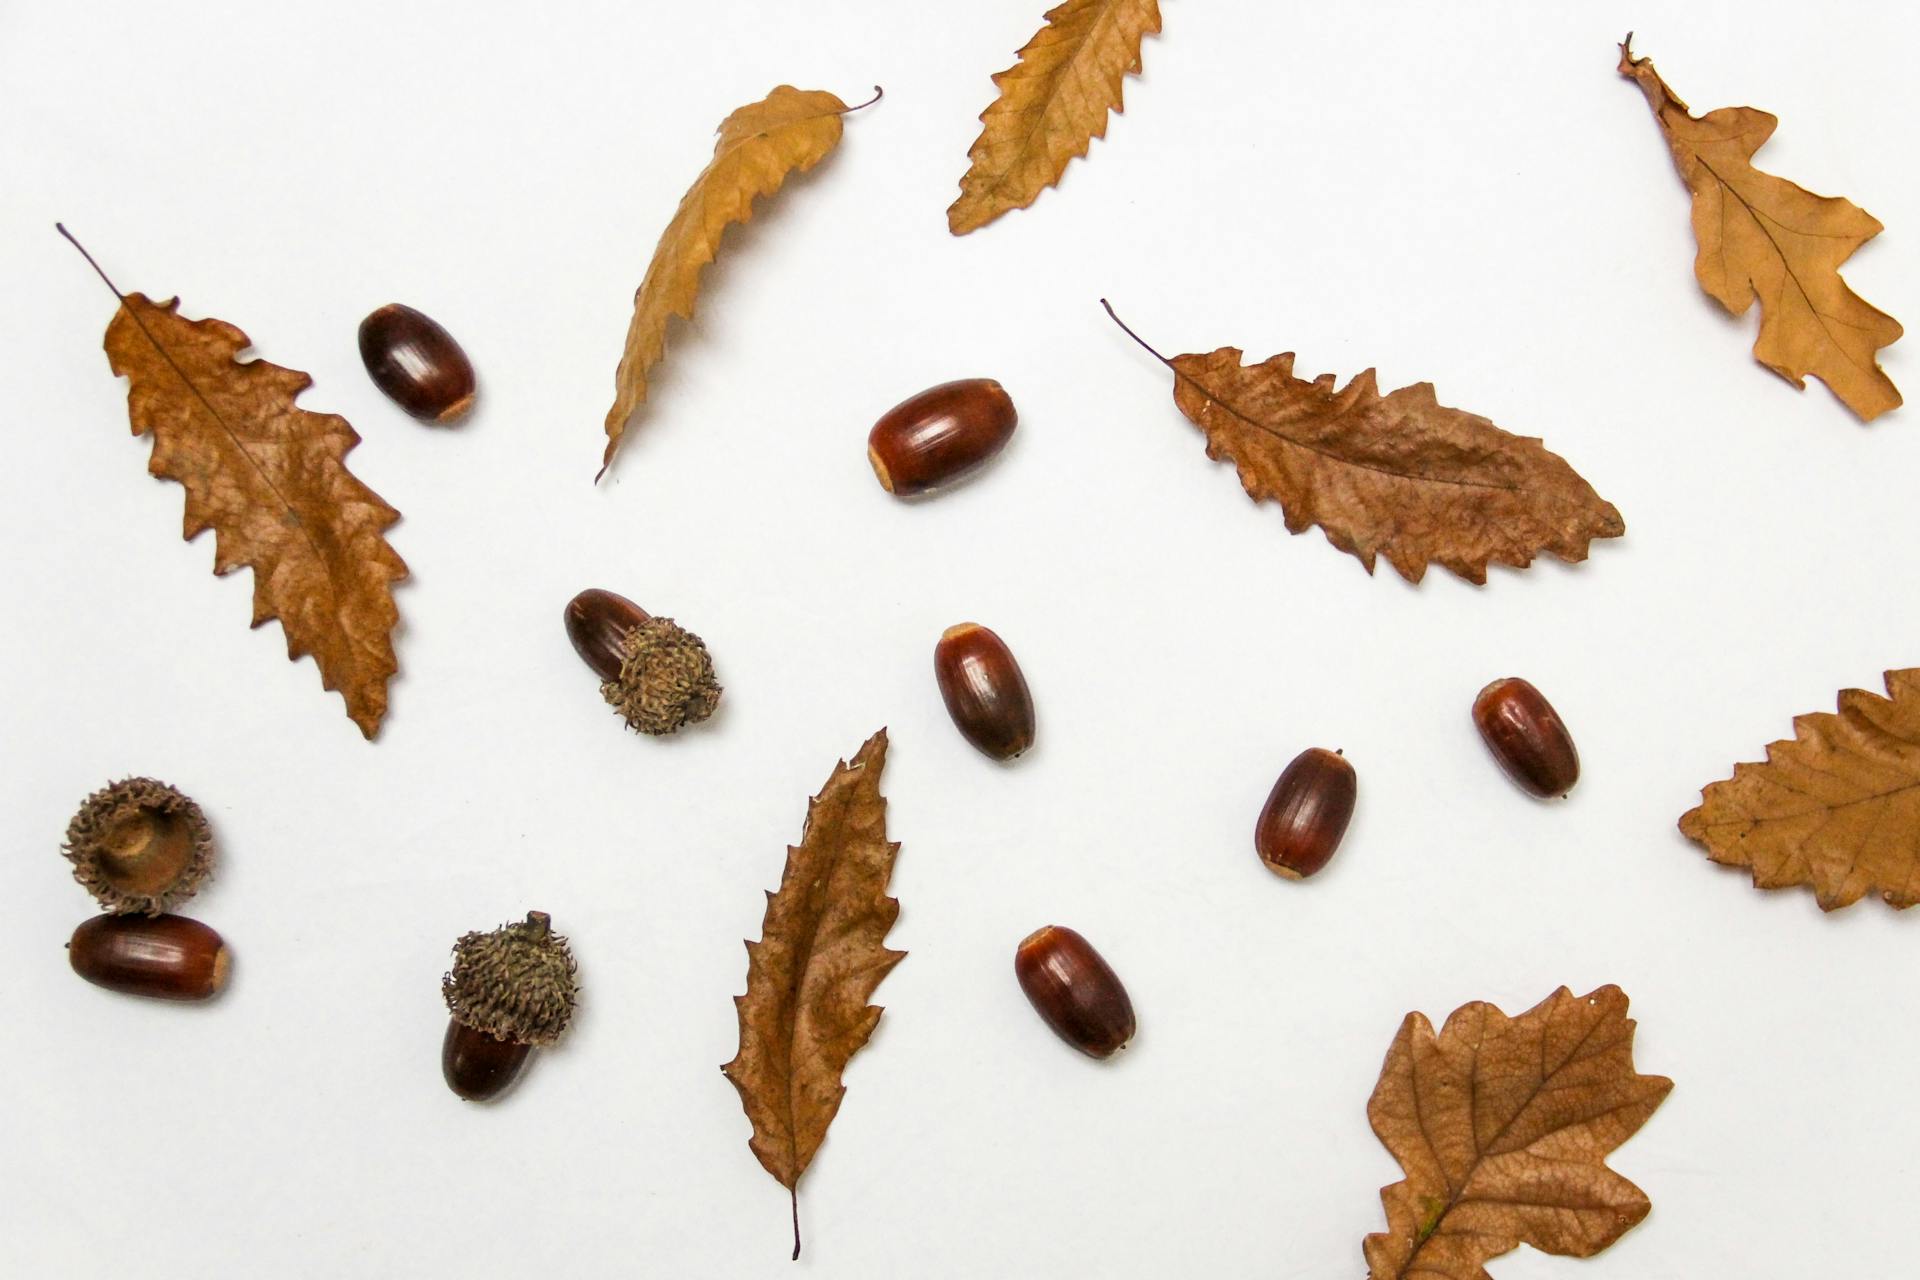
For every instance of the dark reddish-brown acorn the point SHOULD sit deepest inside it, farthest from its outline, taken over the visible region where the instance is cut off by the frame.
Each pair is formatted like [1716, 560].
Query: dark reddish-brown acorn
[162, 957]
[984, 690]
[1075, 991]
[417, 363]
[1306, 814]
[1527, 737]
[508, 991]
[939, 435]
[654, 672]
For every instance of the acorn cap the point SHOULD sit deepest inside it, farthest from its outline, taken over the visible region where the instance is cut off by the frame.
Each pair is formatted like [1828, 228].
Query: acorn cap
[666, 678]
[515, 983]
[138, 845]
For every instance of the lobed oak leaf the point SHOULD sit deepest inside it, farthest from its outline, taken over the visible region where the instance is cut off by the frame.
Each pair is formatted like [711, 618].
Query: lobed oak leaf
[821, 954]
[1399, 475]
[790, 130]
[1836, 807]
[270, 479]
[1503, 1126]
[1053, 102]
[1762, 236]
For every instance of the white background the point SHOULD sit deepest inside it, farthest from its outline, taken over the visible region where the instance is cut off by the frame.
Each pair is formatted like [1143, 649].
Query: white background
[1466, 194]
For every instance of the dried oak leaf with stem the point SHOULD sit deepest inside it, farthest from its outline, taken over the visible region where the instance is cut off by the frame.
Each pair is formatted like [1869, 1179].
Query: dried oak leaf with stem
[1053, 102]
[1762, 236]
[1837, 806]
[1503, 1126]
[270, 479]
[821, 954]
[1399, 475]
[788, 131]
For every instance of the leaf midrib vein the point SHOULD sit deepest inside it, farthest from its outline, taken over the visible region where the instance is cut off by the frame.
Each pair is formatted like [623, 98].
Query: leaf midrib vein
[1284, 438]
[239, 444]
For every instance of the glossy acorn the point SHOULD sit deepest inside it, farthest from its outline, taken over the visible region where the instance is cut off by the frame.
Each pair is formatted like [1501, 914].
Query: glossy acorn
[1306, 814]
[984, 690]
[654, 672]
[417, 363]
[1075, 991]
[1527, 737]
[478, 1066]
[940, 434]
[509, 990]
[162, 957]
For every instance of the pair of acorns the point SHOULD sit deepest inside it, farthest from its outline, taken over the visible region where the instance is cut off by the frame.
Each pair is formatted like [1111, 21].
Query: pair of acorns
[659, 676]
[1308, 809]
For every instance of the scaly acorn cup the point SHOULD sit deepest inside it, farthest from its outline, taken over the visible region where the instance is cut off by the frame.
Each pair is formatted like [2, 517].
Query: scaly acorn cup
[654, 672]
[508, 991]
[139, 845]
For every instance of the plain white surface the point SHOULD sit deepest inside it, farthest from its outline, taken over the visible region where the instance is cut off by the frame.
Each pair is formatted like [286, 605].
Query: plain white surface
[1466, 194]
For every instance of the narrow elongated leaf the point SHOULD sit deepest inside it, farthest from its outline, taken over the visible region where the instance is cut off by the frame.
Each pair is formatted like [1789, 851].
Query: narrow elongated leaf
[270, 479]
[1053, 102]
[790, 130]
[1837, 806]
[821, 953]
[1763, 237]
[1399, 475]
[1503, 1126]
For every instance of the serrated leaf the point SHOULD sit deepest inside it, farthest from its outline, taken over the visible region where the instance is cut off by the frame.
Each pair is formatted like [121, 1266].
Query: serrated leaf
[1503, 1127]
[1053, 102]
[1763, 237]
[1836, 807]
[821, 954]
[270, 479]
[1399, 475]
[788, 131]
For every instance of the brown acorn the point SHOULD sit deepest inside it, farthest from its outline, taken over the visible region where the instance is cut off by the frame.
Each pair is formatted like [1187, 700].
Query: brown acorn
[1074, 990]
[508, 991]
[417, 363]
[984, 690]
[1527, 737]
[654, 672]
[139, 845]
[939, 435]
[1306, 814]
[162, 957]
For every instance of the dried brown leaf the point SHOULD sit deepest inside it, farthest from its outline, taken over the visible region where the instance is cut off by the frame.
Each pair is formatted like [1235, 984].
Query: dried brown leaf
[760, 144]
[1503, 1126]
[271, 481]
[1053, 102]
[1762, 236]
[1399, 475]
[1837, 806]
[821, 954]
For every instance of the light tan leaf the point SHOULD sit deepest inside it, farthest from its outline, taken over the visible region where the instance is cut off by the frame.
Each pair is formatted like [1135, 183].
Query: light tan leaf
[1503, 1126]
[790, 130]
[271, 481]
[1837, 806]
[1400, 475]
[821, 954]
[1053, 102]
[1760, 235]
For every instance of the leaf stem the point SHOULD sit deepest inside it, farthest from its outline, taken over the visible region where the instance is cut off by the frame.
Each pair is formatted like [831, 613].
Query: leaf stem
[1147, 346]
[793, 1194]
[61, 227]
[878, 93]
